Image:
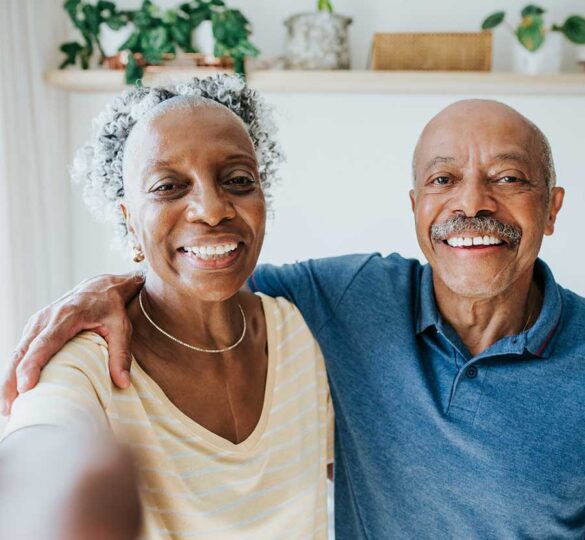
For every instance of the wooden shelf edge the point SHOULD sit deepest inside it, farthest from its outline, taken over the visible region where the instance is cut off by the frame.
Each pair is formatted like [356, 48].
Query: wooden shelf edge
[354, 82]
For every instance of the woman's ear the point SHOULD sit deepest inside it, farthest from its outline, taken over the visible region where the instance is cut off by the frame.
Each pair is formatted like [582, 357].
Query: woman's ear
[127, 217]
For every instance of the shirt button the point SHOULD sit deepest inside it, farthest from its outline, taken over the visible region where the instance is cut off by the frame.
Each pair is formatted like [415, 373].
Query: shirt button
[471, 372]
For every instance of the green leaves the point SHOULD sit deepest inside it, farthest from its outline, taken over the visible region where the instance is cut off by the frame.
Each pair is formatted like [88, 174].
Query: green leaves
[71, 50]
[134, 72]
[530, 32]
[530, 10]
[324, 5]
[493, 20]
[573, 29]
[159, 31]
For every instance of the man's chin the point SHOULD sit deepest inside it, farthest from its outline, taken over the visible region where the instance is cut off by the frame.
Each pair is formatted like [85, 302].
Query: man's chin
[478, 285]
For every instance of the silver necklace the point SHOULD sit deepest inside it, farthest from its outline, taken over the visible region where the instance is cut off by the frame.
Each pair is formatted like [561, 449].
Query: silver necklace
[193, 347]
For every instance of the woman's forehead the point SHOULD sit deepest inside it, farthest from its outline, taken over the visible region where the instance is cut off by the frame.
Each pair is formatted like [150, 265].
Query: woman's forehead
[178, 132]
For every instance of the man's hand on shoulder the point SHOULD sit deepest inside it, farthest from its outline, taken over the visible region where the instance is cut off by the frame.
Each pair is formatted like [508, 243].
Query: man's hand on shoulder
[97, 304]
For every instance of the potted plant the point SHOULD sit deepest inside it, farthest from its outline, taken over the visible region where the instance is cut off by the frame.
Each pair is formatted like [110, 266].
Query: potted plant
[317, 40]
[157, 34]
[532, 33]
[88, 18]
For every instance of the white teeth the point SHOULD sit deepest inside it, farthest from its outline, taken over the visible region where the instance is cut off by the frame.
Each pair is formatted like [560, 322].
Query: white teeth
[211, 252]
[465, 241]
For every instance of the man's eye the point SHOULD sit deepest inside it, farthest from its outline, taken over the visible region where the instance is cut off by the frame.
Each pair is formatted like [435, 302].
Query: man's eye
[509, 180]
[441, 180]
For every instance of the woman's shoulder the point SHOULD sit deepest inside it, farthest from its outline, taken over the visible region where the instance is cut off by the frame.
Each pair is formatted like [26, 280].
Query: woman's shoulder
[87, 351]
[280, 308]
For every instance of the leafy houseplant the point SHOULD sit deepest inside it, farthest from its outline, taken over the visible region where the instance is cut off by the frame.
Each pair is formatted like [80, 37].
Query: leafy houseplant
[531, 31]
[87, 18]
[158, 32]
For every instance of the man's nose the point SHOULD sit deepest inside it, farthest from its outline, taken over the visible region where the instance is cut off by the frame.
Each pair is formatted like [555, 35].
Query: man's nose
[210, 204]
[475, 197]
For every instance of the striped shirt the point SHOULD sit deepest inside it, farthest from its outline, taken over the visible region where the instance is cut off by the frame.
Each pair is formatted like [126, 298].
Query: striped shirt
[194, 483]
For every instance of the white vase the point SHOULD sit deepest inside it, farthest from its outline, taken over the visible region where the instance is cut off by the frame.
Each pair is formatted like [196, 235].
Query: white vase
[202, 38]
[317, 40]
[546, 59]
[112, 39]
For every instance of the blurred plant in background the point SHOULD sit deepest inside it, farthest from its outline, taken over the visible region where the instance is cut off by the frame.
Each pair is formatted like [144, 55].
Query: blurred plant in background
[531, 31]
[157, 33]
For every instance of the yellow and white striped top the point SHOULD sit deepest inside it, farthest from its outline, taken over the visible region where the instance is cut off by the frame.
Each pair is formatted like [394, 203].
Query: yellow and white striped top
[193, 483]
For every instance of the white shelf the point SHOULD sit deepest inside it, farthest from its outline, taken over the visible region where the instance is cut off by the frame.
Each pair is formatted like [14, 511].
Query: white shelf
[354, 82]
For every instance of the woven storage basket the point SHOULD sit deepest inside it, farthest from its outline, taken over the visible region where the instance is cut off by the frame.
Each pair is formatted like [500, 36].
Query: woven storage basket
[469, 51]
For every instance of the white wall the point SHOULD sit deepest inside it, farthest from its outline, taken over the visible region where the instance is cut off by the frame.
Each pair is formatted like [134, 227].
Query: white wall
[345, 185]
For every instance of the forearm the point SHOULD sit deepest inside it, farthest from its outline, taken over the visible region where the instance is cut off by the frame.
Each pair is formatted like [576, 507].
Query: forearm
[57, 486]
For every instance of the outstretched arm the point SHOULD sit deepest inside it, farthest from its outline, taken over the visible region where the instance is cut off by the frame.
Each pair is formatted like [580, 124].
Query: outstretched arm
[58, 485]
[97, 304]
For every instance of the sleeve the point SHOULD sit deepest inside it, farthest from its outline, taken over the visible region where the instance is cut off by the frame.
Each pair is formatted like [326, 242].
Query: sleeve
[315, 286]
[74, 390]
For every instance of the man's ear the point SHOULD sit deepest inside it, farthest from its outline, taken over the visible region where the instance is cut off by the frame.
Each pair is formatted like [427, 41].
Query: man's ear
[127, 217]
[555, 204]
[412, 199]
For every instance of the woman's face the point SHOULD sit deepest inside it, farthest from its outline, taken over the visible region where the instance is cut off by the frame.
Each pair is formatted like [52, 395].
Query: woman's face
[193, 200]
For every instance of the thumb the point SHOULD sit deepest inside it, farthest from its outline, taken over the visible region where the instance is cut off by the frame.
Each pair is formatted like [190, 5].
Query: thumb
[119, 338]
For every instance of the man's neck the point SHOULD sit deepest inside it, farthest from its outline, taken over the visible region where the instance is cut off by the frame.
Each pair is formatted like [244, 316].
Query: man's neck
[480, 322]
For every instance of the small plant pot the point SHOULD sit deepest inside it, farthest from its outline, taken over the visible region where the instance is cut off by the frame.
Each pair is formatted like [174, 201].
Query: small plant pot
[120, 60]
[202, 38]
[317, 40]
[546, 59]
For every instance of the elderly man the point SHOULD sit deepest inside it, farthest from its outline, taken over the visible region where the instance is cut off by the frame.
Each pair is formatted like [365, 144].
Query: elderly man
[458, 385]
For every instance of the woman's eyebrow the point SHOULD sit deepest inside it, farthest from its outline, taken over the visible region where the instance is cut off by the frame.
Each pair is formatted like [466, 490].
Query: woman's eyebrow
[154, 164]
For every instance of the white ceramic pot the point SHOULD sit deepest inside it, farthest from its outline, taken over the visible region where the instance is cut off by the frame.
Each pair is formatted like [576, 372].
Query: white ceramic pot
[112, 39]
[546, 59]
[202, 38]
[317, 40]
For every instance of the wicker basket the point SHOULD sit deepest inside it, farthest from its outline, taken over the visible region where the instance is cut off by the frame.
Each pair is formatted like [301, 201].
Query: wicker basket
[470, 51]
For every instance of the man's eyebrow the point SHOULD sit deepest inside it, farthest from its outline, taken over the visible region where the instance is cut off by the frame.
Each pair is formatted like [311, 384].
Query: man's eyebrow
[513, 156]
[439, 159]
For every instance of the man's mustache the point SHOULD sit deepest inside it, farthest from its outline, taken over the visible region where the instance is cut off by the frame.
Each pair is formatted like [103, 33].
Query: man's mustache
[482, 225]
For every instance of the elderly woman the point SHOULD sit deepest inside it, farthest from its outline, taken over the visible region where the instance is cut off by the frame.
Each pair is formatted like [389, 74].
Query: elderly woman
[227, 410]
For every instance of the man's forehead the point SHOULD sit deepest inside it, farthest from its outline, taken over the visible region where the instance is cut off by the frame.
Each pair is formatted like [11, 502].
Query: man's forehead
[450, 139]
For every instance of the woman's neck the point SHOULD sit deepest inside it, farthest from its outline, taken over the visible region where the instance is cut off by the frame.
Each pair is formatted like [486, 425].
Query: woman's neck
[214, 324]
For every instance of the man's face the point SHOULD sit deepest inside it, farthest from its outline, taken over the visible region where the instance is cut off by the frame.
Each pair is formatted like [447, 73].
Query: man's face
[481, 160]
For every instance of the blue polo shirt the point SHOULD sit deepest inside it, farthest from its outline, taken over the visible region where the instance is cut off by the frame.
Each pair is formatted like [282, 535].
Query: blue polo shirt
[432, 442]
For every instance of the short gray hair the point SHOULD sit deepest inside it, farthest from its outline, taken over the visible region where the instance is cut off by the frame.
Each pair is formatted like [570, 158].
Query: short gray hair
[99, 163]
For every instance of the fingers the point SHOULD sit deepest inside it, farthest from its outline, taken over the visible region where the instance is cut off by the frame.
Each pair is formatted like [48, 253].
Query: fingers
[40, 351]
[8, 392]
[8, 380]
[128, 288]
[119, 337]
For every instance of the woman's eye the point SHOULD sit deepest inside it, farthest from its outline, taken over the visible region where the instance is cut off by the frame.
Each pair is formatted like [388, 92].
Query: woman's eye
[441, 180]
[240, 182]
[166, 187]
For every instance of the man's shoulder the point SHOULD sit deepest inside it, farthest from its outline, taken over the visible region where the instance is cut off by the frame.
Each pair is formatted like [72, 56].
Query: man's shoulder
[357, 263]
[573, 323]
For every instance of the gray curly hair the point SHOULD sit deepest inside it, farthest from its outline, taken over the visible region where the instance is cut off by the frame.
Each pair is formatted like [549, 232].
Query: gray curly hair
[98, 164]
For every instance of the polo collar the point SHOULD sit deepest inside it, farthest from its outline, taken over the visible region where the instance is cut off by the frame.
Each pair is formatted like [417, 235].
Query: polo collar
[537, 340]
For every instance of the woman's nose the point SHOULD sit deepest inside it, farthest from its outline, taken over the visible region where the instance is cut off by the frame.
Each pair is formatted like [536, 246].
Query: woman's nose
[474, 197]
[210, 205]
